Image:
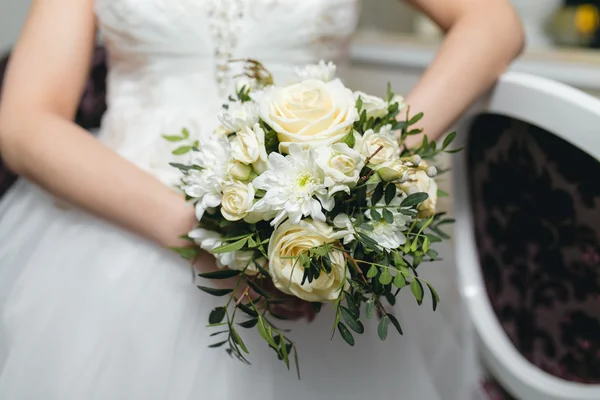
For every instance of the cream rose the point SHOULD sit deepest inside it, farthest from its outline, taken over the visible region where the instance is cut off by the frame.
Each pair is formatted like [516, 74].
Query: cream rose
[313, 113]
[341, 166]
[290, 240]
[372, 141]
[248, 145]
[237, 200]
[373, 105]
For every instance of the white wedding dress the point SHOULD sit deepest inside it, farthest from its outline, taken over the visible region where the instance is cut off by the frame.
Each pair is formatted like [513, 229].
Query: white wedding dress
[92, 312]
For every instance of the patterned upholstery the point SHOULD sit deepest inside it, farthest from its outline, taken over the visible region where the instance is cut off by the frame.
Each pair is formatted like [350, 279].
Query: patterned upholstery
[90, 110]
[537, 211]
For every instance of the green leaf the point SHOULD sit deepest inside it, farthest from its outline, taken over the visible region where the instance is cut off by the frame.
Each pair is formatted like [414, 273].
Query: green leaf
[448, 140]
[425, 244]
[385, 278]
[352, 321]
[173, 138]
[432, 254]
[349, 139]
[435, 298]
[215, 345]
[345, 333]
[390, 193]
[221, 274]
[247, 310]
[366, 227]
[414, 199]
[382, 328]
[185, 133]
[215, 292]
[228, 248]
[238, 340]
[399, 281]
[262, 329]
[217, 315]
[182, 150]
[251, 323]
[377, 194]
[375, 215]
[372, 272]
[370, 308]
[352, 305]
[417, 290]
[389, 93]
[257, 288]
[415, 119]
[359, 103]
[395, 323]
[271, 141]
[441, 193]
[455, 150]
[398, 260]
[433, 238]
[186, 252]
[367, 241]
[388, 216]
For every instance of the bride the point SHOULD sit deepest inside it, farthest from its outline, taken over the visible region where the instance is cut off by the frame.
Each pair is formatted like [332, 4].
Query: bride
[93, 304]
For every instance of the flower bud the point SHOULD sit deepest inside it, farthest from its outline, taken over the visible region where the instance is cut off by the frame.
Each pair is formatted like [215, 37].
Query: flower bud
[240, 171]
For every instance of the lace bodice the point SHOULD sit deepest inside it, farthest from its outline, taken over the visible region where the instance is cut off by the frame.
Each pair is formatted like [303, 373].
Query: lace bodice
[167, 58]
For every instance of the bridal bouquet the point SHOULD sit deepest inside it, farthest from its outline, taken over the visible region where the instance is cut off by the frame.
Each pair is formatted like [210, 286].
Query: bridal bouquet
[307, 188]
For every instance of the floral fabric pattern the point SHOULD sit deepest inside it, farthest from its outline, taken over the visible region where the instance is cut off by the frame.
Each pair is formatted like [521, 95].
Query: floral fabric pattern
[537, 211]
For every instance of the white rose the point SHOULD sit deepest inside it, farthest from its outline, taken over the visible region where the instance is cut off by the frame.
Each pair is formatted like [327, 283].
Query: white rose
[393, 170]
[322, 71]
[290, 240]
[341, 166]
[237, 200]
[373, 105]
[421, 182]
[239, 115]
[372, 141]
[248, 145]
[312, 113]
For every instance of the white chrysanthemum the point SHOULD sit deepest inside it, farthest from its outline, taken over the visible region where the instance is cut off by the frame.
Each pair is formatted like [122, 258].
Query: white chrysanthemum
[322, 71]
[239, 115]
[388, 236]
[291, 184]
[205, 184]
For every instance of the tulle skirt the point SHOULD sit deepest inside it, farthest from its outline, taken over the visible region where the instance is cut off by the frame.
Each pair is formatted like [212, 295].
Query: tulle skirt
[89, 311]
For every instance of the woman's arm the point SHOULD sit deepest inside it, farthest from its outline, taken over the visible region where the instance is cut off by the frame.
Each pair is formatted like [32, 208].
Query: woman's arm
[482, 39]
[44, 81]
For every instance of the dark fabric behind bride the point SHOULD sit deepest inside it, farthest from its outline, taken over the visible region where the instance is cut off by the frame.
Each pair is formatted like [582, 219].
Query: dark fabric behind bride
[90, 110]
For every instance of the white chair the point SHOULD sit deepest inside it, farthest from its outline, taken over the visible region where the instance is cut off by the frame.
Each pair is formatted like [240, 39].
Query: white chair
[573, 116]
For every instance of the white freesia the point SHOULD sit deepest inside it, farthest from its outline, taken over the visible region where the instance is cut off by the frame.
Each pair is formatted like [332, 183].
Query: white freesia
[341, 166]
[204, 185]
[291, 184]
[372, 142]
[387, 235]
[248, 145]
[237, 199]
[400, 100]
[239, 115]
[322, 71]
[419, 182]
[291, 239]
[238, 260]
[312, 113]
[374, 106]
